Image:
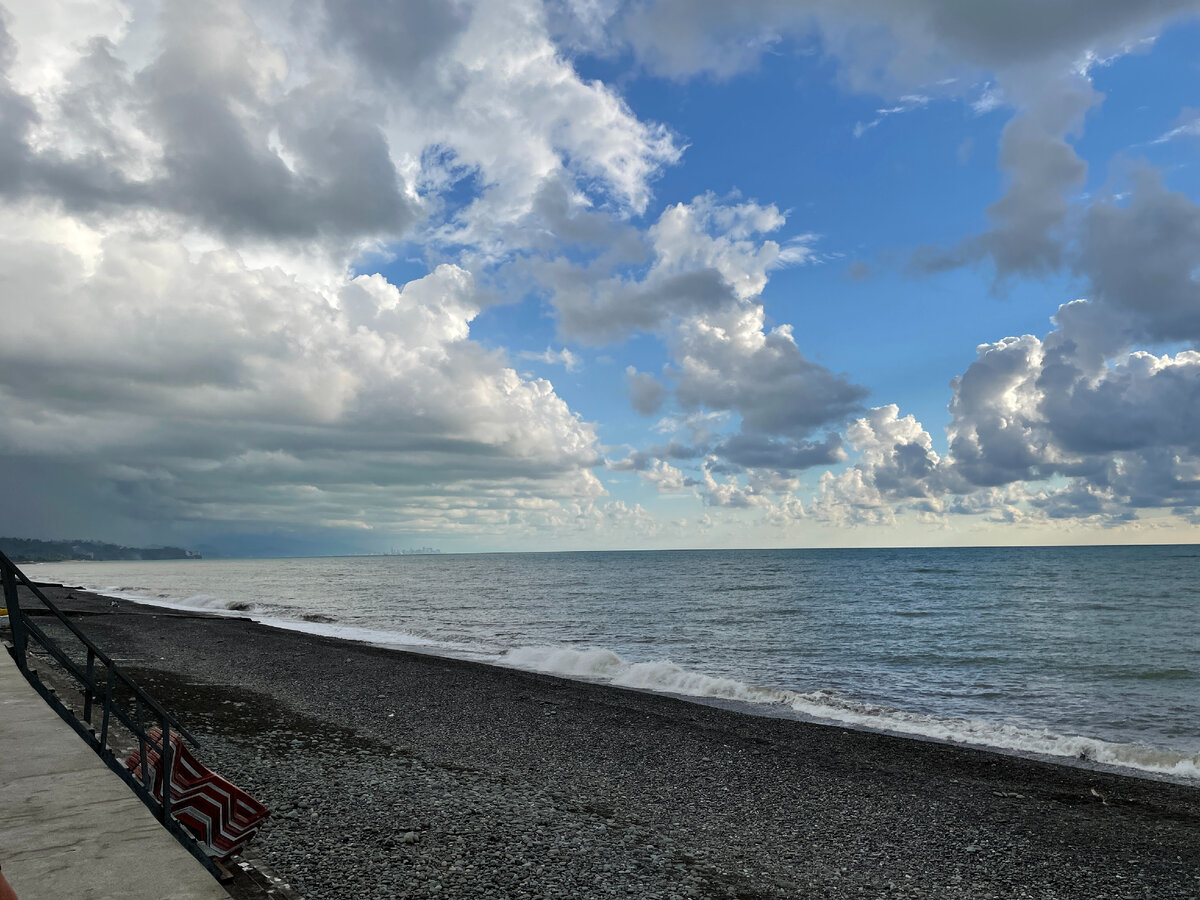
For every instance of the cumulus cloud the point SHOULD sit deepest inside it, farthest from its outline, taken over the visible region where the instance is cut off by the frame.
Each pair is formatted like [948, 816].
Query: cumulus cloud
[897, 469]
[730, 361]
[1140, 261]
[706, 255]
[190, 192]
[225, 392]
[313, 124]
[186, 188]
[1021, 414]
[207, 130]
[711, 262]
[1076, 424]
[665, 477]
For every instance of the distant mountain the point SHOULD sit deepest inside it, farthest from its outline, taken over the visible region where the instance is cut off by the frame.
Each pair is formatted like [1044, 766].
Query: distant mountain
[26, 550]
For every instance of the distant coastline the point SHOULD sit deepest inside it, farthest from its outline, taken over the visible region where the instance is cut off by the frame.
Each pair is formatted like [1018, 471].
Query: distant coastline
[29, 550]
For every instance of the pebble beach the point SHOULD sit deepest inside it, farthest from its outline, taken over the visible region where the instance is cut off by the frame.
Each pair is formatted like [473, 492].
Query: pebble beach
[394, 774]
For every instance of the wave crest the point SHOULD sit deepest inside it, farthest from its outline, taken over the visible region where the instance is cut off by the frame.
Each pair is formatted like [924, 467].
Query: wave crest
[664, 676]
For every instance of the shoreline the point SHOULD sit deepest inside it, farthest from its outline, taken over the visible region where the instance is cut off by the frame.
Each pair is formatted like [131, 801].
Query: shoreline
[1087, 752]
[398, 773]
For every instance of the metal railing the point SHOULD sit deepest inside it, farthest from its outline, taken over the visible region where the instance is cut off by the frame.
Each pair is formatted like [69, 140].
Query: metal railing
[100, 682]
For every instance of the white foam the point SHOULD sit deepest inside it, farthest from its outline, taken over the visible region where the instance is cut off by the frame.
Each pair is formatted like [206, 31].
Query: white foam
[376, 636]
[206, 602]
[243, 609]
[664, 676]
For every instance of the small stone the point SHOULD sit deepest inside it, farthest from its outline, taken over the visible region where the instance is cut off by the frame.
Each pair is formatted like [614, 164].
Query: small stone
[410, 837]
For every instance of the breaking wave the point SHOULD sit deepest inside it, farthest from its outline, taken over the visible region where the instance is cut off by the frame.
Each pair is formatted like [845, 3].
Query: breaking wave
[297, 620]
[664, 676]
[202, 602]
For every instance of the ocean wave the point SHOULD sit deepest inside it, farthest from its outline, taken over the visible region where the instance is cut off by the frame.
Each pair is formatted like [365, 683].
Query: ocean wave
[306, 622]
[209, 602]
[204, 602]
[664, 676]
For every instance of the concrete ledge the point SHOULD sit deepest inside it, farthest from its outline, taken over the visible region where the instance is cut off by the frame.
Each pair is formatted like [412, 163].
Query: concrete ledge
[69, 827]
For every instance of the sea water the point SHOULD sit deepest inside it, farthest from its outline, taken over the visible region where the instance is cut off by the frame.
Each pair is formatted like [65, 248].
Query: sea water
[1083, 653]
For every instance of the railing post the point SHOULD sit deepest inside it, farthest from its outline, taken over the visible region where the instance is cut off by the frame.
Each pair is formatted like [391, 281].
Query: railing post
[168, 770]
[89, 687]
[16, 619]
[108, 682]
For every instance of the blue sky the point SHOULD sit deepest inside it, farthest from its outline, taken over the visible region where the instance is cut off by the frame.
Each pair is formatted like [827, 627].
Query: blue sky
[292, 276]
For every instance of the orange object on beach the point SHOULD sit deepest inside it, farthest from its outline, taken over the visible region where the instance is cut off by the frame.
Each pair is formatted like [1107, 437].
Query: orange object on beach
[218, 813]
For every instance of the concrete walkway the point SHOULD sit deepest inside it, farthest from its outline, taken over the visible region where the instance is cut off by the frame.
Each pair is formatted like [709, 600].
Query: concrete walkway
[69, 827]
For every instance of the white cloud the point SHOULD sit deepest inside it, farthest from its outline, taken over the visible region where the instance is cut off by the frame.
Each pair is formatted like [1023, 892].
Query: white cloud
[908, 103]
[897, 469]
[185, 189]
[257, 124]
[706, 254]
[252, 395]
[664, 477]
[551, 357]
[710, 263]
[1187, 126]
[990, 97]
[188, 191]
[728, 360]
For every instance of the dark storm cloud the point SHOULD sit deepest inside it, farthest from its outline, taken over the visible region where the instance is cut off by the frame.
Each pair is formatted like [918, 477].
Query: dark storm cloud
[16, 116]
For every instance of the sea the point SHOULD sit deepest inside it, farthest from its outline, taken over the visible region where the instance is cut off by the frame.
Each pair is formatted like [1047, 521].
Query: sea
[1089, 655]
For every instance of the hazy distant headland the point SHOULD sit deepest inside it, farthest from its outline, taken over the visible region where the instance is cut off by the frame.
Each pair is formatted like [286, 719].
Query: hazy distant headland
[27, 550]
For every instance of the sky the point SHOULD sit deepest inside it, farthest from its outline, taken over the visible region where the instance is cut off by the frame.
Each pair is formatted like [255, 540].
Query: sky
[303, 277]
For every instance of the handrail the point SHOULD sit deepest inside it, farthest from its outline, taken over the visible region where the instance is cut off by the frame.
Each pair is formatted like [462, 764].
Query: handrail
[95, 689]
